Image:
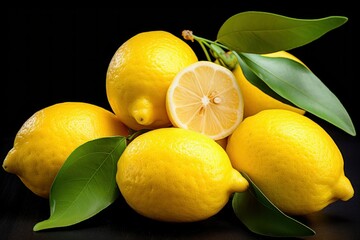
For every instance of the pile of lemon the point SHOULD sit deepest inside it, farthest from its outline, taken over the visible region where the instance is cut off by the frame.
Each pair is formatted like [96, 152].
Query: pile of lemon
[207, 125]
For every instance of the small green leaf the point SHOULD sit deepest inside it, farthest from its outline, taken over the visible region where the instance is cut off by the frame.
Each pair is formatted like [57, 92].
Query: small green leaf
[85, 184]
[297, 84]
[262, 32]
[261, 216]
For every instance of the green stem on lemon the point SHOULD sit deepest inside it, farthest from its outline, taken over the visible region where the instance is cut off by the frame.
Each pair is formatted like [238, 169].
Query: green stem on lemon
[226, 59]
[135, 134]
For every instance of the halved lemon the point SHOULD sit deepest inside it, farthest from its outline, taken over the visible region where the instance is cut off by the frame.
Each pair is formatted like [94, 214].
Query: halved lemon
[205, 97]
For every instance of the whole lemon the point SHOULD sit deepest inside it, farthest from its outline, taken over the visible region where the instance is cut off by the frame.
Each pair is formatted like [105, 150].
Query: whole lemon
[256, 100]
[139, 75]
[292, 159]
[177, 175]
[48, 137]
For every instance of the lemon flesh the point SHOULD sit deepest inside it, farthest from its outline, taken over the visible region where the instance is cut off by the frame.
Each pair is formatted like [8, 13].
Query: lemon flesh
[206, 98]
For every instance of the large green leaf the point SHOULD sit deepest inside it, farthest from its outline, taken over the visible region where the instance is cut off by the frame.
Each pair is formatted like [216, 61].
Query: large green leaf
[261, 216]
[297, 84]
[262, 32]
[85, 184]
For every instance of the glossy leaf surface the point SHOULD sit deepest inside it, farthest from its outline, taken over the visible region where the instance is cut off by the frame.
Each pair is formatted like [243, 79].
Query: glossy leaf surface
[261, 216]
[85, 184]
[298, 85]
[263, 32]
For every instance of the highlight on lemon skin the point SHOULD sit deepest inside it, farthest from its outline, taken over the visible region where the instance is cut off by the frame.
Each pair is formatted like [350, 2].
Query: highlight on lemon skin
[177, 175]
[205, 97]
[139, 75]
[47, 138]
[292, 159]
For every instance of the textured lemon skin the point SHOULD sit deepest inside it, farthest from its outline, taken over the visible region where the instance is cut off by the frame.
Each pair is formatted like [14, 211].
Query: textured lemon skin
[254, 99]
[139, 75]
[48, 137]
[291, 159]
[177, 175]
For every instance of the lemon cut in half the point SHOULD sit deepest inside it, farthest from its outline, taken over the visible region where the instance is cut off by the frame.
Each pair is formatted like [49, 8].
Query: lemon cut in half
[205, 97]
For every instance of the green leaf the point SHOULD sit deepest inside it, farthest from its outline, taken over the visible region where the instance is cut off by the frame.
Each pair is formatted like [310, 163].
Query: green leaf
[256, 81]
[261, 216]
[262, 32]
[297, 84]
[85, 184]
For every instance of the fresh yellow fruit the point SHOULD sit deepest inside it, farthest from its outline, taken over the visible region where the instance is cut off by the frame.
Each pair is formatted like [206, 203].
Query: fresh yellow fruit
[254, 99]
[177, 175]
[205, 97]
[47, 138]
[139, 75]
[292, 159]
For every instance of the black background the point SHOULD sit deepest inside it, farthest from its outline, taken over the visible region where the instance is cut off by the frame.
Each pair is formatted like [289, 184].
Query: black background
[57, 55]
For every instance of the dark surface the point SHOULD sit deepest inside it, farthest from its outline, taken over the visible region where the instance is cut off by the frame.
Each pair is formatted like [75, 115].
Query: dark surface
[56, 55]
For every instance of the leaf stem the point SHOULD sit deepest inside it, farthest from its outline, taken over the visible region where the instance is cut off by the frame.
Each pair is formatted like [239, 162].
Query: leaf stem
[216, 49]
[205, 51]
[135, 134]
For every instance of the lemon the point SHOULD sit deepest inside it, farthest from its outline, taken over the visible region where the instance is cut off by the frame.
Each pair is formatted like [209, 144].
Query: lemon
[292, 159]
[205, 97]
[177, 175]
[139, 75]
[254, 99]
[48, 137]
